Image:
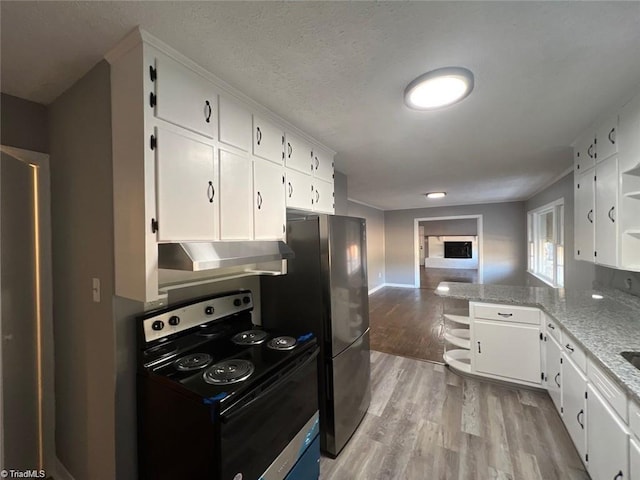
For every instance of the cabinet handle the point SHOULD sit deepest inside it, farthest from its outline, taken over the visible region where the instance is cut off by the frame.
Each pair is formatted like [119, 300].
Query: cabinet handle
[556, 379]
[259, 200]
[612, 136]
[590, 151]
[581, 412]
[290, 190]
[506, 315]
[570, 348]
[550, 325]
[290, 149]
[610, 214]
[479, 350]
[207, 111]
[258, 135]
[618, 476]
[211, 192]
[590, 215]
[317, 163]
[317, 196]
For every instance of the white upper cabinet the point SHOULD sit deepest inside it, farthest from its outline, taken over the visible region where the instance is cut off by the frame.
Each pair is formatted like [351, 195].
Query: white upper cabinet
[584, 152]
[183, 97]
[584, 215]
[607, 212]
[606, 138]
[298, 154]
[234, 124]
[269, 211]
[322, 165]
[186, 188]
[268, 140]
[235, 197]
[299, 190]
[323, 196]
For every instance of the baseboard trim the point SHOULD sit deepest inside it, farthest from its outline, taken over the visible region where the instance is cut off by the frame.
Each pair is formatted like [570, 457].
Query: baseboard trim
[375, 289]
[61, 472]
[400, 285]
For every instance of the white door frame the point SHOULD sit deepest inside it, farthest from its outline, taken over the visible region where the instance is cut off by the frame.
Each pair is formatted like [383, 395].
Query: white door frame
[40, 164]
[416, 243]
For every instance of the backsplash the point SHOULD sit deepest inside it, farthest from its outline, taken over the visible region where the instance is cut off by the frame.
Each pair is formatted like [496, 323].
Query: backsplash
[627, 282]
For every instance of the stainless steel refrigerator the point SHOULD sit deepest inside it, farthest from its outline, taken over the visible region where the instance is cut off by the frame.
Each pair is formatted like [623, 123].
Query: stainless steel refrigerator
[325, 292]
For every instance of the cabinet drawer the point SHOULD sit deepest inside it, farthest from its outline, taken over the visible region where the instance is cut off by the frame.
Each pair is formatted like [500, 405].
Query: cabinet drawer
[608, 388]
[634, 418]
[553, 329]
[575, 352]
[507, 313]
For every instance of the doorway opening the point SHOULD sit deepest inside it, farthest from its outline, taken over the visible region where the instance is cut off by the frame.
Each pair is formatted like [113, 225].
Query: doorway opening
[447, 249]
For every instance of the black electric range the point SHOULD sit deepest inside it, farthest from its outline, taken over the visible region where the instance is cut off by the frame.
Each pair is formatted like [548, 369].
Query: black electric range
[219, 397]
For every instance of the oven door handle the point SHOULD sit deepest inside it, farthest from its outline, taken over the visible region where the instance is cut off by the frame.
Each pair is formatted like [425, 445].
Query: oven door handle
[239, 408]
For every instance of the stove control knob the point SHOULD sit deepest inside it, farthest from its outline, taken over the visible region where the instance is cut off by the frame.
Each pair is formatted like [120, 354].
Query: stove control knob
[157, 325]
[175, 320]
[237, 302]
[208, 310]
[246, 300]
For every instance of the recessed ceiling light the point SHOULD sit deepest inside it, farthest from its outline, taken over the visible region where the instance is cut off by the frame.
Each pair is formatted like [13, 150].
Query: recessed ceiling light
[435, 194]
[439, 88]
[597, 296]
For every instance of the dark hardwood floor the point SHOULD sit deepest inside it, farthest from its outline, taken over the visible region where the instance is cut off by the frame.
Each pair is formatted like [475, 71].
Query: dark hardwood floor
[407, 321]
[427, 423]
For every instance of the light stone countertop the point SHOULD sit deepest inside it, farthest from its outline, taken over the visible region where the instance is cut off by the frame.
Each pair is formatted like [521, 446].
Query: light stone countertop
[604, 327]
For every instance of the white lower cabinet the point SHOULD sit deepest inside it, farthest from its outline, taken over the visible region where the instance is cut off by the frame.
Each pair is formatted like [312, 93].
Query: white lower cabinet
[553, 376]
[634, 458]
[574, 403]
[235, 197]
[507, 350]
[186, 188]
[269, 211]
[607, 440]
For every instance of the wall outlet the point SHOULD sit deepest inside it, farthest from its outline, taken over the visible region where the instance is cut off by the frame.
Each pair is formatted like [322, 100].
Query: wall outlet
[95, 289]
[379, 274]
[628, 283]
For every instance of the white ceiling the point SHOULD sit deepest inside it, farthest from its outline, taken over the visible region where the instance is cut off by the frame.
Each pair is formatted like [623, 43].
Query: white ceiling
[543, 71]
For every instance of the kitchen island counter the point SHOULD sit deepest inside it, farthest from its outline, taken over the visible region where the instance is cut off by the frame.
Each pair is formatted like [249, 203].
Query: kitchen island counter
[605, 326]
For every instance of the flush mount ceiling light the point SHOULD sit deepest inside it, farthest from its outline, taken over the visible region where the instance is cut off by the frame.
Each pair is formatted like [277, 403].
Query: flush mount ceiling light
[435, 194]
[439, 88]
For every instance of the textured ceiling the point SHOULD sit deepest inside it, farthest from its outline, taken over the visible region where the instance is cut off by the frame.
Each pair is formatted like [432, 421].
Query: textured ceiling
[543, 71]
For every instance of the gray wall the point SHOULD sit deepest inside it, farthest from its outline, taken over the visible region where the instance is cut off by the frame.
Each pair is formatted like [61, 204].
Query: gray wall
[341, 193]
[23, 124]
[82, 236]
[579, 274]
[375, 241]
[504, 237]
[467, 226]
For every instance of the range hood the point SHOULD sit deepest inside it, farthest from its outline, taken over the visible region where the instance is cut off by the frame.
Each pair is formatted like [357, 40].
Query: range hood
[202, 256]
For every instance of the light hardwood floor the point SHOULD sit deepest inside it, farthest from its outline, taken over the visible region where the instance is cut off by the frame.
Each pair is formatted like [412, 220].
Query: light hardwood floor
[427, 423]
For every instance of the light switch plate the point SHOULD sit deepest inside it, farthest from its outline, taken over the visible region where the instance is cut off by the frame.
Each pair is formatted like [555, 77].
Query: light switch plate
[96, 290]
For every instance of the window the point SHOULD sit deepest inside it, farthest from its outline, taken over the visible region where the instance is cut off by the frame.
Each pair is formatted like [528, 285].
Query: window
[545, 233]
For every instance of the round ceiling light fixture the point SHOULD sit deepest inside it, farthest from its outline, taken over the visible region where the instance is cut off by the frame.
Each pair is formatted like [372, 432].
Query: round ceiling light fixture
[439, 88]
[435, 194]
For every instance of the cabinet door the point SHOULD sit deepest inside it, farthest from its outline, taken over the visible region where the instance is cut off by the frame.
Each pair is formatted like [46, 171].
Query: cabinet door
[584, 152]
[299, 190]
[186, 188]
[634, 459]
[183, 97]
[607, 212]
[507, 350]
[236, 197]
[574, 403]
[268, 205]
[268, 140]
[553, 376]
[234, 124]
[584, 215]
[606, 138]
[323, 196]
[298, 154]
[322, 165]
[607, 440]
